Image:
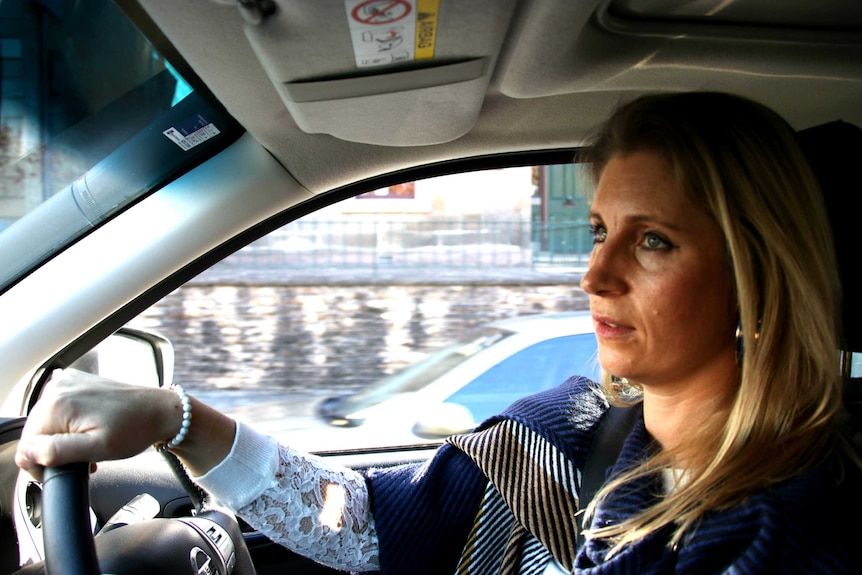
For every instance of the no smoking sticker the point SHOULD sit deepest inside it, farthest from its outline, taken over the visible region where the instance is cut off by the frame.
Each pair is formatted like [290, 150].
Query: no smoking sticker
[391, 31]
[381, 12]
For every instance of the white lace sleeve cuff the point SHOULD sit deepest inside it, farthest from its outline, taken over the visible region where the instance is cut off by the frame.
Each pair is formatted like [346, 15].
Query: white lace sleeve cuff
[312, 506]
[247, 471]
[320, 510]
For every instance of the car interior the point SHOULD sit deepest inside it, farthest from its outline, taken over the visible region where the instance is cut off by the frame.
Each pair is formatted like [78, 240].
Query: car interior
[308, 119]
[830, 148]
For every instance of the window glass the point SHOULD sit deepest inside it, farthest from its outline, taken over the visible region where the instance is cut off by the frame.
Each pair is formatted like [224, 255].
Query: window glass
[70, 95]
[340, 409]
[342, 329]
[541, 366]
[91, 118]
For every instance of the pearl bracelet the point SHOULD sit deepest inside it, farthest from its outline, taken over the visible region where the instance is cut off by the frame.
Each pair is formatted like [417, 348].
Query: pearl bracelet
[187, 420]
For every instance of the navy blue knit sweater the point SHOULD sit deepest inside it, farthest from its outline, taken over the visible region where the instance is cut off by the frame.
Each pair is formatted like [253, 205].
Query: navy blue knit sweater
[805, 525]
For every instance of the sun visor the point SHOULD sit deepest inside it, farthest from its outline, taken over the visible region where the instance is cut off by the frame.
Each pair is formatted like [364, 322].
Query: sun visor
[393, 72]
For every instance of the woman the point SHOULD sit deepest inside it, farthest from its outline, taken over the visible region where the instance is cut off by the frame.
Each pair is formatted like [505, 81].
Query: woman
[711, 240]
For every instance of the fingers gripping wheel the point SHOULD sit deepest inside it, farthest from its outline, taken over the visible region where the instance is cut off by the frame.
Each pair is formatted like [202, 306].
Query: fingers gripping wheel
[66, 529]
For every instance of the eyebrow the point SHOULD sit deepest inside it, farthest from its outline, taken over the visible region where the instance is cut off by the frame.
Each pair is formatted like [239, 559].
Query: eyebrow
[641, 218]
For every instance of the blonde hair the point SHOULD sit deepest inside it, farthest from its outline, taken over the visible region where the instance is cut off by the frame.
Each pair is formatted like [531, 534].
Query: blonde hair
[740, 162]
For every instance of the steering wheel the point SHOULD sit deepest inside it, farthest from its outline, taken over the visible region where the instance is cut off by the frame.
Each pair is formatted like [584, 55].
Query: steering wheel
[209, 542]
[69, 545]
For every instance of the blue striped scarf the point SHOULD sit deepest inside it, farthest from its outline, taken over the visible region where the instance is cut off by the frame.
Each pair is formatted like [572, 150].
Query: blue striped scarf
[527, 514]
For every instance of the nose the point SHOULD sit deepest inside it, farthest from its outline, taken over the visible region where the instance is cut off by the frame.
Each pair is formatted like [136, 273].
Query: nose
[604, 275]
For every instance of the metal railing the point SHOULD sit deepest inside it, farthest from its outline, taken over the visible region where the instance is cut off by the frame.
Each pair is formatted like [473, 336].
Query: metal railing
[415, 244]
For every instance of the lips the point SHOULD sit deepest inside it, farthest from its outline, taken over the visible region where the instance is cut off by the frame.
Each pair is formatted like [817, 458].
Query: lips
[608, 327]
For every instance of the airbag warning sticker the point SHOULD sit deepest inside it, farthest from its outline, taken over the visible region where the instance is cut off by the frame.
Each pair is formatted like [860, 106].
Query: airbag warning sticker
[191, 132]
[391, 31]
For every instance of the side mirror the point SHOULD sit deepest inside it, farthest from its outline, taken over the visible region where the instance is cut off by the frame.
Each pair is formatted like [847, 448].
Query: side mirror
[131, 356]
[443, 420]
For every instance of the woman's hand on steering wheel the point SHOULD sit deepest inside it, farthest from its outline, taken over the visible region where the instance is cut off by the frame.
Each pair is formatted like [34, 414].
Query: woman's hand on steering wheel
[83, 417]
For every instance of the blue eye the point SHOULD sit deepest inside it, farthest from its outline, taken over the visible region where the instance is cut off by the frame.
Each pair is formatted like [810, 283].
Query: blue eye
[655, 242]
[599, 233]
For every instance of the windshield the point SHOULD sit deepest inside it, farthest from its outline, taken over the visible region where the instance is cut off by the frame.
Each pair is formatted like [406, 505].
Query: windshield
[81, 87]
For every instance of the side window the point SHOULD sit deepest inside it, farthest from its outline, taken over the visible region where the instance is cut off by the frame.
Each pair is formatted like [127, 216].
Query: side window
[538, 367]
[296, 331]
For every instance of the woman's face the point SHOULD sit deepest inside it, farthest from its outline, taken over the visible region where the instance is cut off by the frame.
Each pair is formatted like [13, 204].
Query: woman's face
[660, 287]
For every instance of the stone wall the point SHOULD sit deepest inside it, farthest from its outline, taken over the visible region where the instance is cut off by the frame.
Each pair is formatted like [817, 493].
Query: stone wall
[330, 337]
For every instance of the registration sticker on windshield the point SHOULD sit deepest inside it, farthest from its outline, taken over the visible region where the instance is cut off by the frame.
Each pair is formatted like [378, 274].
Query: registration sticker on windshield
[392, 31]
[192, 132]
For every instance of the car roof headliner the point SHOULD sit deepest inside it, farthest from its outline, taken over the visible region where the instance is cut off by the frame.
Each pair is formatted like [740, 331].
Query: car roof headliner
[550, 70]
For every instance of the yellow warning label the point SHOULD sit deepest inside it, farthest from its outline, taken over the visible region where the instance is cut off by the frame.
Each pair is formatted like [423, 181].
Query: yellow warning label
[427, 12]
